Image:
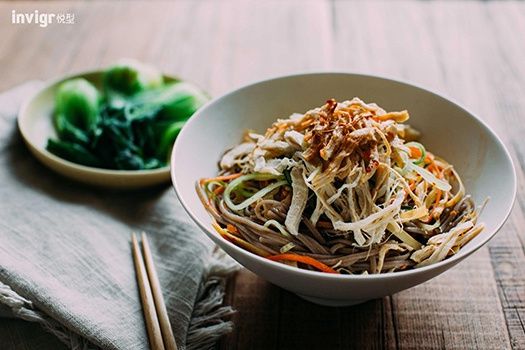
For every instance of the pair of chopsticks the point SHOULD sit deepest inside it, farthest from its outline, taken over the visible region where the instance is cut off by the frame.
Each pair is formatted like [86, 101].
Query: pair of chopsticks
[158, 325]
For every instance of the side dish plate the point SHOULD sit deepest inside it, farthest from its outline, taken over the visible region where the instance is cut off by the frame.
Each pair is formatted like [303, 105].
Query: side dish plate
[36, 126]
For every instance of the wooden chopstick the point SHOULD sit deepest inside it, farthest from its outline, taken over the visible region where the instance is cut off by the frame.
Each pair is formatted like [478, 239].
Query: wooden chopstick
[160, 306]
[158, 326]
[146, 297]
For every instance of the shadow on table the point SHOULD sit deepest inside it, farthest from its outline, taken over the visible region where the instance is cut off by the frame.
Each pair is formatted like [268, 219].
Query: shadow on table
[314, 326]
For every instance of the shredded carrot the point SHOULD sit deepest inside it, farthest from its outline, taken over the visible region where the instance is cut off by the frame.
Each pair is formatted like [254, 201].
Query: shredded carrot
[415, 152]
[432, 168]
[303, 259]
[429, 158]
[220, 178]
[438, 197]
[440, 172]
[239, 241]
[219, 190]
[232, 228]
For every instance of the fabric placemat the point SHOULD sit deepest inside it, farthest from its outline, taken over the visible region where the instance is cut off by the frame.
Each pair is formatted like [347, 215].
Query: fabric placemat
[65, 257]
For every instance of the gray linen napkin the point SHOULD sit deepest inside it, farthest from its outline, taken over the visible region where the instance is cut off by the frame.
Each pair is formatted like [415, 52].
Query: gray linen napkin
[65, 258]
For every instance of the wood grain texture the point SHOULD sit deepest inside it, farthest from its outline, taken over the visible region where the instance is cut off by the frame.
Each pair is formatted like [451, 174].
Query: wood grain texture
[470, 50]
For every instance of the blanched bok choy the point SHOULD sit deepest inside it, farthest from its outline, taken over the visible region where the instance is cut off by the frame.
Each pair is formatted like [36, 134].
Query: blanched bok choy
[128, 123]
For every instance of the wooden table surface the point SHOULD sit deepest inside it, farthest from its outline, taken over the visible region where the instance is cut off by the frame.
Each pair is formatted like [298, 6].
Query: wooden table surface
[472, 51]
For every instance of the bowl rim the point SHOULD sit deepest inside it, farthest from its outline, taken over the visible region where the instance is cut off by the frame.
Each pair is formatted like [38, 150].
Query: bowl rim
[22, 127]
[446, 263]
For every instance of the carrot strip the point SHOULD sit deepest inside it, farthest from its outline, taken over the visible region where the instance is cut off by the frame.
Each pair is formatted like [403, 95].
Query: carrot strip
[232, 228]
[239, 241]
[438, 198]
[218, 190]
[303, 259]
[429, 158]
[220, 178]
[415, 152]
[432, 168]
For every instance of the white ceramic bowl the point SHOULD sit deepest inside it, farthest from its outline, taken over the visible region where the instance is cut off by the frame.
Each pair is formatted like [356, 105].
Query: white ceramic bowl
[35, 123]
[448, 130]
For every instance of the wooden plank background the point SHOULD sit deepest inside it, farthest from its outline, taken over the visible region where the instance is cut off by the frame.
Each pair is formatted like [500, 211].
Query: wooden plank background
[470, 50]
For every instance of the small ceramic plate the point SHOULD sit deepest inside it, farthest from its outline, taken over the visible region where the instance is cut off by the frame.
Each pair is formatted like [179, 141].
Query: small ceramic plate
[36, 126]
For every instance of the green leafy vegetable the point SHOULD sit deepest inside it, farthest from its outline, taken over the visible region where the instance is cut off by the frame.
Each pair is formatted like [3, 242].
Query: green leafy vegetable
[181, 100]
[129, 77]
[77, 106]
[73, 152]
[68, 132]
[175, 102]
[167, 138]
[132, 126]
